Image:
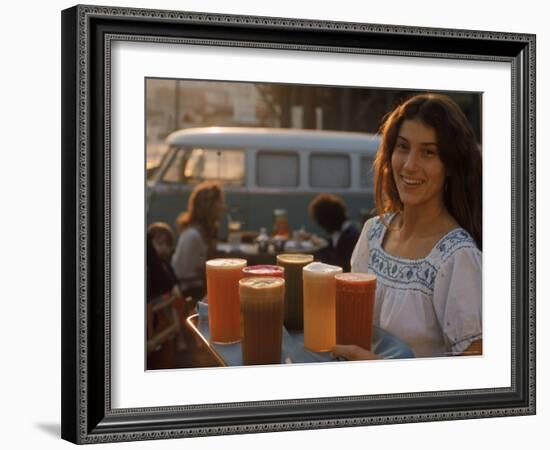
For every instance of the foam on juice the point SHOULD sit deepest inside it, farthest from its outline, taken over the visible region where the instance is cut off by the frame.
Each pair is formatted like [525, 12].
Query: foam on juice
[318, 268]
[229, 263]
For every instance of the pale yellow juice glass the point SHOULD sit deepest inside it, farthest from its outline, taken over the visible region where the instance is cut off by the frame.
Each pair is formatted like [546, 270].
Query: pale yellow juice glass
[320, 306]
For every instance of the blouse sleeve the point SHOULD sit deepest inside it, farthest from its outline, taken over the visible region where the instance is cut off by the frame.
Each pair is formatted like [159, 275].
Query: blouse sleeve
[360, 255]
[457, 299]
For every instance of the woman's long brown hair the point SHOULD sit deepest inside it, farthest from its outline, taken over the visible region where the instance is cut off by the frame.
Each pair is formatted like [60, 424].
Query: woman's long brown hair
[458, 150]
[200, 211]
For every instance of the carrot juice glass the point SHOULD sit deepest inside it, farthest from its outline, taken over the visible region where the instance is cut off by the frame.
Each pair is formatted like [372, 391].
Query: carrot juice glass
[222, 289]
[355, 294]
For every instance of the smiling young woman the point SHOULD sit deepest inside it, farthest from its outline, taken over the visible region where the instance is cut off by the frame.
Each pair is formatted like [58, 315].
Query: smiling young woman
[425, 244]
[430, 119]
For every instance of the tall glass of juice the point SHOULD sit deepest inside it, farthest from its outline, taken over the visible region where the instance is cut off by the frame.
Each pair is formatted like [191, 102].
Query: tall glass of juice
[293, 264]
[355, 294]
[222, 290]
[262, 300]
[319, 306]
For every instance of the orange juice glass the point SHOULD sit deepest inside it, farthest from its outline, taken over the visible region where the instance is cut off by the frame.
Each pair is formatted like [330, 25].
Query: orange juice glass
[355, 294]
[319, 306]
[222, 289]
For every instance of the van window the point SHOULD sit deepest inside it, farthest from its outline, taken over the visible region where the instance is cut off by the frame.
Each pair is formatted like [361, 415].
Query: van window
[276, 169]
[329, 171]
[174, 173]
[207, 164]
[367, 172]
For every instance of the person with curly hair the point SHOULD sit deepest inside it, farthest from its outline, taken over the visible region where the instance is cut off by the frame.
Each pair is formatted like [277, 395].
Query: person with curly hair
[330, 212]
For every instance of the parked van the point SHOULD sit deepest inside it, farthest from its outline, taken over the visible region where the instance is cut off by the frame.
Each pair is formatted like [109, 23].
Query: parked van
[262, 170]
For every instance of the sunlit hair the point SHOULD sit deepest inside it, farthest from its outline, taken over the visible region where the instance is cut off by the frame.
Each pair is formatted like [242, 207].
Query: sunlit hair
[161, 229]
[329, 211]
[458, 150]
[201, 210]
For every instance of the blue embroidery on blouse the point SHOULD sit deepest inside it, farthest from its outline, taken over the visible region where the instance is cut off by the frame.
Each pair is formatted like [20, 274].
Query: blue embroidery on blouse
[376, 229]
[452, 240]
[420, 274]
[417, 274]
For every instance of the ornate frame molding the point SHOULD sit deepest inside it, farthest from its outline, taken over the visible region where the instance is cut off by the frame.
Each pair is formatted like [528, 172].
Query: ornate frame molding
[80, 418]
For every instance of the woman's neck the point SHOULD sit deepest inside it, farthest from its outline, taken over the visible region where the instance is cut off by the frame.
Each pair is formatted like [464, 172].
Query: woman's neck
[424, 221]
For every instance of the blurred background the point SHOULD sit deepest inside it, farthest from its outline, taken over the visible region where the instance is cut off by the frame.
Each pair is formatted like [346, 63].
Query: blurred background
[260, 179]
[174, 104]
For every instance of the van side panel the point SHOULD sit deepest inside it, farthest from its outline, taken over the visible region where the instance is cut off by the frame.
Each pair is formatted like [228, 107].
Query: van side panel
[253, 205]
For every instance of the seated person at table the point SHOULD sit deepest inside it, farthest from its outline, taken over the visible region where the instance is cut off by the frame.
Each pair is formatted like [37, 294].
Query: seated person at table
[161, 236]
[329, 211]
[425, 245]
[198, 231]
[160, 278]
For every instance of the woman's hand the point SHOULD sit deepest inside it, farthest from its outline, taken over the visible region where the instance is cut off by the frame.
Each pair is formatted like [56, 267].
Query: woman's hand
[354, 353]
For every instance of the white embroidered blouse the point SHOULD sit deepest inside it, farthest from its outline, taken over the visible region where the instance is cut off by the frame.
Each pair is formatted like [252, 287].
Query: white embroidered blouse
[432, 303]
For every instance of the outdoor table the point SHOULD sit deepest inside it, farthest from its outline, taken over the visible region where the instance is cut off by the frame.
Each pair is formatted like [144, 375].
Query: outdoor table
[384, 344]
[251, 253]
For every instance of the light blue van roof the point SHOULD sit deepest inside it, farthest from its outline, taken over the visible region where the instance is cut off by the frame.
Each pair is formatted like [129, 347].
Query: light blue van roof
[274, 139]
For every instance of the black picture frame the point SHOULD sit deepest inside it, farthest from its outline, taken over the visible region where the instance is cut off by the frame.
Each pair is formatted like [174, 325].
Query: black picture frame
[87, 415]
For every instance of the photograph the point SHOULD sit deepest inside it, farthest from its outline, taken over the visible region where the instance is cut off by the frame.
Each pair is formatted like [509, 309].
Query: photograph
[291, 224]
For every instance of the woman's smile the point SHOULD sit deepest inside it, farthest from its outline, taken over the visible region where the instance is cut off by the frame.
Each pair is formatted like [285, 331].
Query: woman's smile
[411, 182]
